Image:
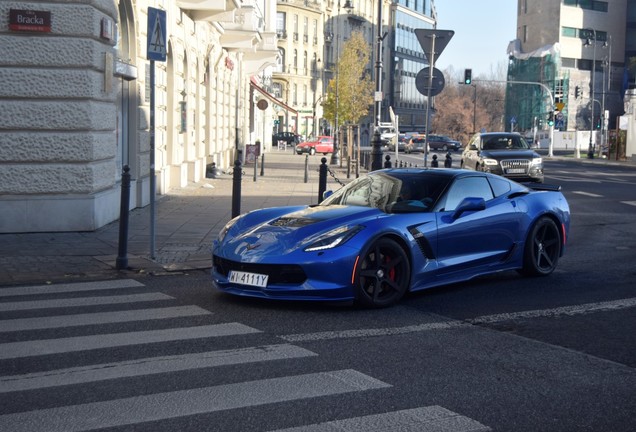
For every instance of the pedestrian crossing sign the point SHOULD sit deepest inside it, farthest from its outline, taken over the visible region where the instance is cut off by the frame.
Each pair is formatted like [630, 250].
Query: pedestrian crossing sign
[156, 48]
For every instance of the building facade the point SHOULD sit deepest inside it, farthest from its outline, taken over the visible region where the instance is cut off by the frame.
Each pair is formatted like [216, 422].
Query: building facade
[577, 50]
[76, 102]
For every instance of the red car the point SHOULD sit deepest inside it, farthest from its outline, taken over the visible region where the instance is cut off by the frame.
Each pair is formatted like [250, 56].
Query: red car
[322, 144]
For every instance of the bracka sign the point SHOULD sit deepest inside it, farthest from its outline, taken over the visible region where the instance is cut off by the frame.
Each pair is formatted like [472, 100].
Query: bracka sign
[29, 20]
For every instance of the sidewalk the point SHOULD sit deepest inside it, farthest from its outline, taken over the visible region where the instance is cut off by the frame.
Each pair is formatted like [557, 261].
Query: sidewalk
[186, 222]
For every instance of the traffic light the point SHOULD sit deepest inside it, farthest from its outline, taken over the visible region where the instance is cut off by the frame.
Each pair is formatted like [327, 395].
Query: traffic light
[468, 76]
[577, 92]
[551, 118]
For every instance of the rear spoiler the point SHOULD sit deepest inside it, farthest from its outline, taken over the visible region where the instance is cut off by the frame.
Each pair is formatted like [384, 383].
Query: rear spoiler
[543, 187]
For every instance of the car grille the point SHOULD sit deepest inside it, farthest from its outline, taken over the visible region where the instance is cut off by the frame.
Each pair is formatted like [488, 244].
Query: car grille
[516, 165]
[278, 274]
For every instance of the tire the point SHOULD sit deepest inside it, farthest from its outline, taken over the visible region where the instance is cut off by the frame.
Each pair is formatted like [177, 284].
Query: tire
[543, 248]
[383, 275]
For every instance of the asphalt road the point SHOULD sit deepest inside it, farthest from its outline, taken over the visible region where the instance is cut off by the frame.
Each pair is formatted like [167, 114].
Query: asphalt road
[501, 353]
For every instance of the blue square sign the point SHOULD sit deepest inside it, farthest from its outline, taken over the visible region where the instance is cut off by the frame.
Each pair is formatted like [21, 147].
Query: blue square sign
[156, 47]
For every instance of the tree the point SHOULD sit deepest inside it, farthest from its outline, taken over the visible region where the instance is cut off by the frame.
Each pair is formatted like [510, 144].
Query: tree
[353, 87]
[458, 114]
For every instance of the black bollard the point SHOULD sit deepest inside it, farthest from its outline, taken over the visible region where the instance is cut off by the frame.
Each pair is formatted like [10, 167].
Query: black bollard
[255, 167]
[387, 161]
[448, 162]
[236, 189]
[122, 256]
[262, 164]
[306, 168]
[322, 179]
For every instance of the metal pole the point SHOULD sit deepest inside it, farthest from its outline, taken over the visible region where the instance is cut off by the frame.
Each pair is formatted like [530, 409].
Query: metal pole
[153, 180]
[335, 157]
[376, 142]
[590, 149]
[431, 67]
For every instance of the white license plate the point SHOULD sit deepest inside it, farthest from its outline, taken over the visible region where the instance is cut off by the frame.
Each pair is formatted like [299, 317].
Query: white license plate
[515, 171]
[245, 278]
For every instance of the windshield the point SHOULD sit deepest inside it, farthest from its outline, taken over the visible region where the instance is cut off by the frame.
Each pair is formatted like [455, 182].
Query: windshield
[392, 191]
[504, 142]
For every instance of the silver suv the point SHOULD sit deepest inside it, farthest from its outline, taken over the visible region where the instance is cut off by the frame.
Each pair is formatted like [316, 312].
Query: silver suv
[505, 153]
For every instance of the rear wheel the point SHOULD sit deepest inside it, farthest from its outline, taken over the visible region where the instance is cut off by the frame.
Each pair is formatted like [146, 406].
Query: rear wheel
[384, 274]
[543, 248]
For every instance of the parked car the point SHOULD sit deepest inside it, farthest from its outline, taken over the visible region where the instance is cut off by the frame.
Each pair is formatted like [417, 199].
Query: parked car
[505, 153]
[416, 144]
[290, 138]
[442, 142]
[322, 144]
[390, 232]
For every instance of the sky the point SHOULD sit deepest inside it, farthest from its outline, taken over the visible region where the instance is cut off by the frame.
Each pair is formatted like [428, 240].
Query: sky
[483, 29]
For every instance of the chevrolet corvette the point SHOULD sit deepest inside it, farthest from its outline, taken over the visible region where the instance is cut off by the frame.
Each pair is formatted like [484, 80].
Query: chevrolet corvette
[390, 232]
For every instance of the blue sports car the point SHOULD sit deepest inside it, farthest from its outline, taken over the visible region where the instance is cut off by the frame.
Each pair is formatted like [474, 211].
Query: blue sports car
[390, 232]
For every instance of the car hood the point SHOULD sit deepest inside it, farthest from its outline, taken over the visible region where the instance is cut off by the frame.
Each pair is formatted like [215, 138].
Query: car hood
[283, 234]
[510, 154]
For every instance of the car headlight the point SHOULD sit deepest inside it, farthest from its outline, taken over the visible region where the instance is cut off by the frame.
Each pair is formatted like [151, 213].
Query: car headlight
[226, 228]
[537, 161]
[333, 238]
[490, 162]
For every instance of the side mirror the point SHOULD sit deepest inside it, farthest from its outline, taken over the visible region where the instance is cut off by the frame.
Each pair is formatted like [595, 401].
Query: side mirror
[469, 204]
[473, 147]
[327, 194]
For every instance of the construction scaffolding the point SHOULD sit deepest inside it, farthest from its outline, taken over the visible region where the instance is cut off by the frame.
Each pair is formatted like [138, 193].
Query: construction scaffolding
[529, 107]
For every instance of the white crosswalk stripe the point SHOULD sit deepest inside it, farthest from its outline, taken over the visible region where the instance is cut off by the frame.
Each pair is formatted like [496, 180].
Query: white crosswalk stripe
[142, 406]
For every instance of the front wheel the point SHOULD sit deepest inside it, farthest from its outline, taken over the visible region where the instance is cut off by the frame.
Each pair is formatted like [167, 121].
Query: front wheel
[383, 276]
[543, 248]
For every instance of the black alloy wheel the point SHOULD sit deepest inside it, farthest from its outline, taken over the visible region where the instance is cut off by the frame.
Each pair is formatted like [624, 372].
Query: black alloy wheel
[384, 274]
[543, 248]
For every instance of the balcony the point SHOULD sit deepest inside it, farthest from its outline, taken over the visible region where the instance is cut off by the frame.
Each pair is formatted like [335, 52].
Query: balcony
[207, 10]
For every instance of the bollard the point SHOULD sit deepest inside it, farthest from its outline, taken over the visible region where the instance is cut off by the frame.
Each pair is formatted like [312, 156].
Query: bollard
[262, 164]
[357, 168]
[255, 167]
[122, 259]
[306, 168]
[236, 189]
[322, 179]
[348, 166]
[434, 162]
[448, 162]
[387, 161]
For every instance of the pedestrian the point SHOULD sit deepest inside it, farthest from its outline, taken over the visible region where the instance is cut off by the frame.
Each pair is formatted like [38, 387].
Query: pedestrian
[448, 162]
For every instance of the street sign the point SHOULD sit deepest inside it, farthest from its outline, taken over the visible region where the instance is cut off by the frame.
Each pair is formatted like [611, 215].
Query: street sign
[156, 46]
[430, 38]
[559, 106]
[437, 83]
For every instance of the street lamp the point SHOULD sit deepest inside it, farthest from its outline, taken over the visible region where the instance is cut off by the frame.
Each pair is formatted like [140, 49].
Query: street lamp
[590, 149]
[335, 155]
[376, 151]
[607, 66]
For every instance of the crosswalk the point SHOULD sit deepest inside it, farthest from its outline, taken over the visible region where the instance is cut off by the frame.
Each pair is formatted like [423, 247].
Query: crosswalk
[91, 352]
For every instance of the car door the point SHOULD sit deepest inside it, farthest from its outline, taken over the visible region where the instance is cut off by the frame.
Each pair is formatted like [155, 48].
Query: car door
[470, 156]
[474, 239]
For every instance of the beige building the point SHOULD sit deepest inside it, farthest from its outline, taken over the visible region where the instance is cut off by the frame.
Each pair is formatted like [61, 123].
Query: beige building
[76, 102]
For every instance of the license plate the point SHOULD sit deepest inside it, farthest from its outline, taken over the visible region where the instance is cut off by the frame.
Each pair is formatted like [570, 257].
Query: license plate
[515, 171]
[245, 278]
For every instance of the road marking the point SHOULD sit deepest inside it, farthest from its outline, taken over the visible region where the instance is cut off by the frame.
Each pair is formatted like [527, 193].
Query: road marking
[72, 287]
[593, 195]
[447, 325]
[85, 343]
[560, 311]
[48, 322]
[82, 301]
[161, 406]
[424, 419]
[631, 203]
[150, 366]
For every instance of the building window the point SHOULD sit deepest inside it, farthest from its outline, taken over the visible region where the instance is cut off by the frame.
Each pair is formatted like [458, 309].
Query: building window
[295, 94]
[280, 62]
[305, 63]
[315, 32]
[295, 60]
[280, 24]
